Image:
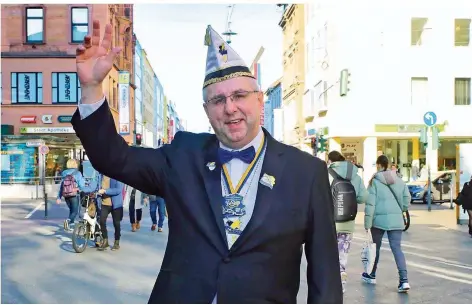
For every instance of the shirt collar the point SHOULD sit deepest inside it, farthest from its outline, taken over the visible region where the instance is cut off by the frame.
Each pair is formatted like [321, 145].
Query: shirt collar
[256, 142]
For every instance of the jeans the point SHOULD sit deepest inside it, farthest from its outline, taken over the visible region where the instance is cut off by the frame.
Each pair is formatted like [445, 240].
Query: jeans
[160, 206]
[73, 204]
[135, 215]
[116, 214]
[395, 240]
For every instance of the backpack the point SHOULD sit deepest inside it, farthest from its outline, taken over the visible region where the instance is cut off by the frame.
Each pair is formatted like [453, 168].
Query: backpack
[344, 196]
[69, 187]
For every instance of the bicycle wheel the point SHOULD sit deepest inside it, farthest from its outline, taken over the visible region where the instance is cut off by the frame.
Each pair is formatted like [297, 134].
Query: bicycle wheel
[80, 230]
[406, 220]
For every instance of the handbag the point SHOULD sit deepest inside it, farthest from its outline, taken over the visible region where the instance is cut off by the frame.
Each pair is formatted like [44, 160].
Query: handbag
[368, 253]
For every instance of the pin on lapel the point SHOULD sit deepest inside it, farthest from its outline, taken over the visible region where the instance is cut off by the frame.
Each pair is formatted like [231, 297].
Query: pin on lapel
[268, 180]
[211, 165]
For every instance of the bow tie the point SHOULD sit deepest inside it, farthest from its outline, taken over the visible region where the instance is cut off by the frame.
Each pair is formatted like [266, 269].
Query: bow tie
[246, 155]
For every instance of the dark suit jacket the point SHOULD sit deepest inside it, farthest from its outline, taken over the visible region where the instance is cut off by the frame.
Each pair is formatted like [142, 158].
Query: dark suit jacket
[263, 266]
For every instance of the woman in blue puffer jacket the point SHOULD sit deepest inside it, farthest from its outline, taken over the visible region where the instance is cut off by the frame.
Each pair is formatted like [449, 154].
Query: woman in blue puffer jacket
[388, 199]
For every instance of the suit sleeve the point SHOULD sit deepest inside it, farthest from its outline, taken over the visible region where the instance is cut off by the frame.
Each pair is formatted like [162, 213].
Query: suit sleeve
[321, 248]
[141, 168]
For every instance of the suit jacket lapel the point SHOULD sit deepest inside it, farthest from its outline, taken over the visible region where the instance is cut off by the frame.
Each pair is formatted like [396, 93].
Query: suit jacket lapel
[273, 166]
[212, 180]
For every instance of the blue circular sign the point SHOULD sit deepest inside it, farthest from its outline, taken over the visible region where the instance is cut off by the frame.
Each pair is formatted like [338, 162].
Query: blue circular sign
[430, 118]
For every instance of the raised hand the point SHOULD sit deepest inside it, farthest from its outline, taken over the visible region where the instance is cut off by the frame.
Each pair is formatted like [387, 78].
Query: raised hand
[94, 61]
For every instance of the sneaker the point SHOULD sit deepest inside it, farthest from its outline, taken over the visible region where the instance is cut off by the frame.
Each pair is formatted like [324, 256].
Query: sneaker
[66, 224]
[159, 230]
[403, 287]
[153, 227]
[368, 278]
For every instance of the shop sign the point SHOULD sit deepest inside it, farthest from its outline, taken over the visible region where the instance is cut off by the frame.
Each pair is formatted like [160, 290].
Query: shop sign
[28, 119]
[64, 118]
[47, 130]
[47, 119]
[34, 143]
[123, 102]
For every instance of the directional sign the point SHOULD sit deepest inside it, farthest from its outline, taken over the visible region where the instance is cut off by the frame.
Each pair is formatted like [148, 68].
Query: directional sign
[430, 118]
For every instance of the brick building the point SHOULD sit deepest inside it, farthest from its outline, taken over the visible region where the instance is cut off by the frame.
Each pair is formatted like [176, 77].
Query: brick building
[40, 88]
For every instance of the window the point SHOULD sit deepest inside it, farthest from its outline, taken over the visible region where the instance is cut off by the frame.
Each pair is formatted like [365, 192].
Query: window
[419, 31]
[27, 88]
[79, 24]
[462, 91]
[65, 88]
[34, 25]
[419, 91]
[462, 32]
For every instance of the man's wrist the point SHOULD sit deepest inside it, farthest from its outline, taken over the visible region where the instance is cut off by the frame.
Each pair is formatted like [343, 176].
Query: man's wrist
[91, 94]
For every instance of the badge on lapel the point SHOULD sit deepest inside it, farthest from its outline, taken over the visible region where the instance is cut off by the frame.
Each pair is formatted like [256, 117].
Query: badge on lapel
[268, 180]
[211, 165]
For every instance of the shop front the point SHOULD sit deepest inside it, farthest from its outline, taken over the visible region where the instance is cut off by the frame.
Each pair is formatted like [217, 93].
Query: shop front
[22, 162]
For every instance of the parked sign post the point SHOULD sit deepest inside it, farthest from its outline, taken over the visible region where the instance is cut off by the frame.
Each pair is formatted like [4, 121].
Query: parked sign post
[430, 119]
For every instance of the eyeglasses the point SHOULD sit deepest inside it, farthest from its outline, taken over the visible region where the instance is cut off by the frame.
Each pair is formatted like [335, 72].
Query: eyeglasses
[236, 97]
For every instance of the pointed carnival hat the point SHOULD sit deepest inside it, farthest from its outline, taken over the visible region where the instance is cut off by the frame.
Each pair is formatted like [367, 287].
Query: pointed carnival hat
[222, 62]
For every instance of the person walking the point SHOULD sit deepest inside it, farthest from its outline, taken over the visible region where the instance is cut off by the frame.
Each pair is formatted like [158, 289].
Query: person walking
[110, 201]
[135, 200]
[242, 205]
[157, 204]
[388, 199]
[338, 166]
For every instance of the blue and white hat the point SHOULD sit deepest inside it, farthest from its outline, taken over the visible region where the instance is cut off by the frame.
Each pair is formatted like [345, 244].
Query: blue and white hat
[222, 62]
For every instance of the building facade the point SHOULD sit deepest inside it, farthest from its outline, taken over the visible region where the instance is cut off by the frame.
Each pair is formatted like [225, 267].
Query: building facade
[293, 81]
[273, 101]
[159, 118]
[40, 87]
[138, 96]
[149, 103]
[371, 91]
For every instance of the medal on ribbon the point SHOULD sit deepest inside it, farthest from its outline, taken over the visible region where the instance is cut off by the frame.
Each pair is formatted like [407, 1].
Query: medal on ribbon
[233, 204]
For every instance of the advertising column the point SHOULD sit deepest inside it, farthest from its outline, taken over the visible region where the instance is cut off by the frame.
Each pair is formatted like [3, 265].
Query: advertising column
[123, 100]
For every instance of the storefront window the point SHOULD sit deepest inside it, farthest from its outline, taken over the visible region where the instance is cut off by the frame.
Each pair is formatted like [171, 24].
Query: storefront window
[56, 161]
[19, 163]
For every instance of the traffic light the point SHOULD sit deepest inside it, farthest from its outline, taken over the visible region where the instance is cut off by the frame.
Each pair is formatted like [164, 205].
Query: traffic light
[139, 139]
[314, 145]
[322, 144]
[344, 82]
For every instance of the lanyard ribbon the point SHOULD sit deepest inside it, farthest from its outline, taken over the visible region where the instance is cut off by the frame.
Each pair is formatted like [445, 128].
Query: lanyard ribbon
[246, 174]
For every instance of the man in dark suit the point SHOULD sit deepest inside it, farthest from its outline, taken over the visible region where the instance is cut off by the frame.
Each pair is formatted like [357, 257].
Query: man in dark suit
[241, 205]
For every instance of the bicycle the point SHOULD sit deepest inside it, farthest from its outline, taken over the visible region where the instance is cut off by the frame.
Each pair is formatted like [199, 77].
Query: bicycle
[88, 226]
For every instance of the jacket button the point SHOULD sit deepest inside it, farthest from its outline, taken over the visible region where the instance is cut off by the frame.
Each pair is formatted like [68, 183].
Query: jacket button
[226, 260]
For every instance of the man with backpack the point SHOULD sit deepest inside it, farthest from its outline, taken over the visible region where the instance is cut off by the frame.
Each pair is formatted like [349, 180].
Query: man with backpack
[348, 191]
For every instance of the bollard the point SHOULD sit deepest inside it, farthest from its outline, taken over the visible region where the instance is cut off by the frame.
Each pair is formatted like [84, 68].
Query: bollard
[45, 205]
